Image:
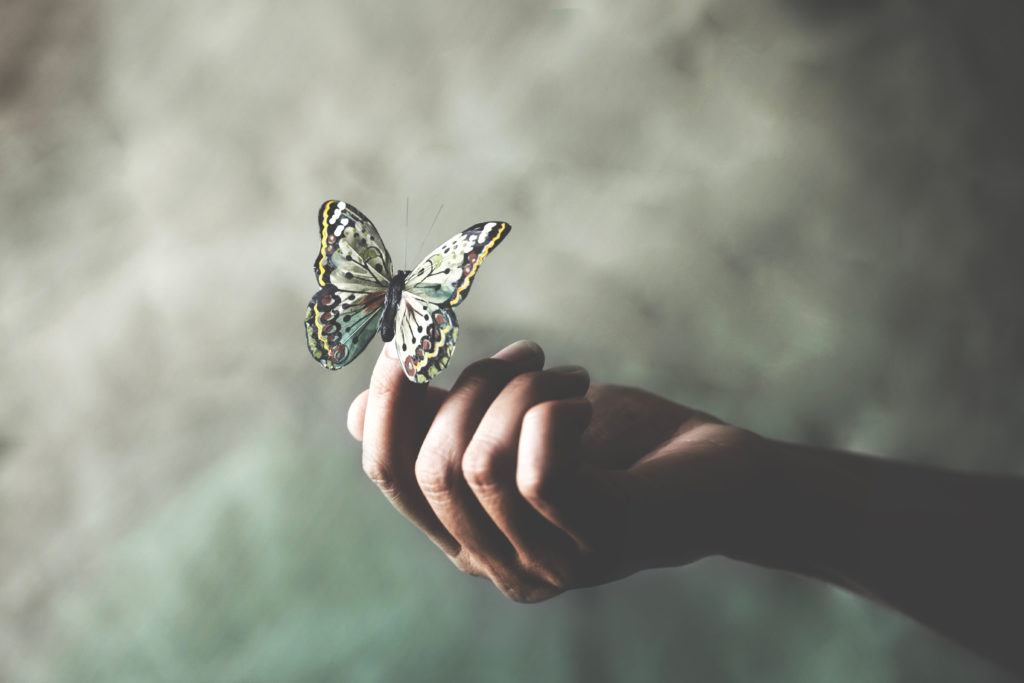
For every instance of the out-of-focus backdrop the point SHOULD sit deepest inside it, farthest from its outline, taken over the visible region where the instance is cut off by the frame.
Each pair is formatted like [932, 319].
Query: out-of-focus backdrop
[804, 217]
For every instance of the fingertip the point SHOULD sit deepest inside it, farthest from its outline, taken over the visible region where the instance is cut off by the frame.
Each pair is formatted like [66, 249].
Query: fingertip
[357, 415]
[523, 353]
[387, 373]
[391, 400]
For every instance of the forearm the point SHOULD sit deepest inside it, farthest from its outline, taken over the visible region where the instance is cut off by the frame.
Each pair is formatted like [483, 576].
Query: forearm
[946, 548]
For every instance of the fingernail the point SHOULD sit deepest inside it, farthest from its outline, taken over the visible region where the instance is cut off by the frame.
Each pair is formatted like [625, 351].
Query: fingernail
[390, 351]
[570, 370]
[519, 352]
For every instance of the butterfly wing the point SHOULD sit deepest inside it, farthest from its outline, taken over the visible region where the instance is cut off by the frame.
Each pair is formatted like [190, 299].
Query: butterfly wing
[425, 337]
[339, 324]
[354, 269]
[445, 275]
[351, 250]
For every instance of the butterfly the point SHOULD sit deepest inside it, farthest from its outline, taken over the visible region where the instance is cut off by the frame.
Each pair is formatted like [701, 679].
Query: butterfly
[361, 294]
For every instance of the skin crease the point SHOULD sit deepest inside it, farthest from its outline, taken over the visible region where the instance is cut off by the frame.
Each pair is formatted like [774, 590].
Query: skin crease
[542, 482]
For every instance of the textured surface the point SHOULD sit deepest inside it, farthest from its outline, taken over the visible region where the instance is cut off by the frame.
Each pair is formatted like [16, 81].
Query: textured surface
[819, 203]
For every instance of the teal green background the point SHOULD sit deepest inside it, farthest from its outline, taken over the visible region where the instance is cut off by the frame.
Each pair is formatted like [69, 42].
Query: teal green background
[802, 217]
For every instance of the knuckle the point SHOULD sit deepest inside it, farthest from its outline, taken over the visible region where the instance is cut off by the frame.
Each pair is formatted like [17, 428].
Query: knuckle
[435, 475]
[516, 594]
[480, 472]
[465, 565]
[525, 593]
[533, 482]
[558, 571]
[561, 578]
[379, 473]
[375, 468]
[482, 464]
[511, 587]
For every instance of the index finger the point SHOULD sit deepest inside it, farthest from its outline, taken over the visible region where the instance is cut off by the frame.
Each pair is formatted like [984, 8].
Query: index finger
[396, 420]
[357, 410]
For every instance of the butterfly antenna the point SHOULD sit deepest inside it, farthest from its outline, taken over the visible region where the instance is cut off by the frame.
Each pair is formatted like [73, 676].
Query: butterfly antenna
[427, 233]
[405, 257]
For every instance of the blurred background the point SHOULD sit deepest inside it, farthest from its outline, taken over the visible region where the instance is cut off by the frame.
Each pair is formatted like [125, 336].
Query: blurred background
[804, 217]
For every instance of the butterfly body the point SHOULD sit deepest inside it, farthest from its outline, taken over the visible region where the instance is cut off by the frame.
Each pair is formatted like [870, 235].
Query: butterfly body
[392, 299]
[412, 309]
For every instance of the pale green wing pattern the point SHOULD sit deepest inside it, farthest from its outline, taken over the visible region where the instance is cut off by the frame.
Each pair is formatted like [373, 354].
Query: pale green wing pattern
[445, 275]
[351, 250]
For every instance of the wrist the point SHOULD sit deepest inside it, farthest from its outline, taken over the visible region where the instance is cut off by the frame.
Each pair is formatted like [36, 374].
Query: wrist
[798, 510]
[710, 492]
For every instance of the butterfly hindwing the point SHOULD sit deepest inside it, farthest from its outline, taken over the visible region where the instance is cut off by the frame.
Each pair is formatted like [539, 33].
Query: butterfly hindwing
[445, 275]
[340, 323]
[425, 337]
[350, 248]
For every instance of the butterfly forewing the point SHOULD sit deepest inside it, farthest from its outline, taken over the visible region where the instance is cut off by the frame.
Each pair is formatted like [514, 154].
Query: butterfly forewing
[425, 337]
[350, 247]
[339, 324]
[445, 275]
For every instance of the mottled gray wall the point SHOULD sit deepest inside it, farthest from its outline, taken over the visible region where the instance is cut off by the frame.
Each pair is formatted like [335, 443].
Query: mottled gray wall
[802, 216]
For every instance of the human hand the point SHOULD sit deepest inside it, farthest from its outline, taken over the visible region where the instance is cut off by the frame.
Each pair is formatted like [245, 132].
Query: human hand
[543, 483]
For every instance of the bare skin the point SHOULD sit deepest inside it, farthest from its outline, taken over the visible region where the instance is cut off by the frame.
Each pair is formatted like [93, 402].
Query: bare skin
[542, 482]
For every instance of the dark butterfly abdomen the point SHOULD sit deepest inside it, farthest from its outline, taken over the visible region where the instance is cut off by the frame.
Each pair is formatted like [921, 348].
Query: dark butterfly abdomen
[392, 299]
